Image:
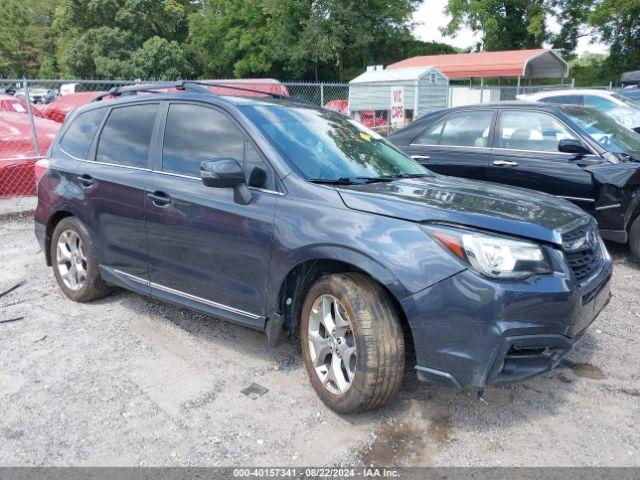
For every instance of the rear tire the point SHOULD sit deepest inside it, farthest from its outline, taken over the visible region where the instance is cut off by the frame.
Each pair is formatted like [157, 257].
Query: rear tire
[634, 238]
[74, 262]
[361, 364]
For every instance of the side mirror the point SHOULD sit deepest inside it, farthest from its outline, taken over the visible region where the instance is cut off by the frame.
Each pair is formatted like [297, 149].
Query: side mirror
[225, 172]
[570, 145]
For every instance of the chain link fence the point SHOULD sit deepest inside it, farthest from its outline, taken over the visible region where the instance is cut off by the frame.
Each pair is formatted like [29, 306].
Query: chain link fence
[33, 111]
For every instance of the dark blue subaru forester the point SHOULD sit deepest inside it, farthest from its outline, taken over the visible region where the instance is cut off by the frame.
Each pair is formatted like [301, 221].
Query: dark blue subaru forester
[284, 217]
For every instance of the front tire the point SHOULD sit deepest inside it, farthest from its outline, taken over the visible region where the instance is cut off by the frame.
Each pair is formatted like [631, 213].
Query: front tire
[352, 342]
[634, 238]
[74, 262]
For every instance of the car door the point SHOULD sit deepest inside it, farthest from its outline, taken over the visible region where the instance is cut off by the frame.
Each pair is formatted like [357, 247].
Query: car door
[458, 144]
[113, 183]
[206, 250]
[526, 155]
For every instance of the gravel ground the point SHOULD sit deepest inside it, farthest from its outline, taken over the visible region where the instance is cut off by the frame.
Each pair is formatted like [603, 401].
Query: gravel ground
[129, 381]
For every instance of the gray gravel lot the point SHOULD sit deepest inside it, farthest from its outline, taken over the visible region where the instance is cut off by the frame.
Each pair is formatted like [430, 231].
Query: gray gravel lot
[128, 381]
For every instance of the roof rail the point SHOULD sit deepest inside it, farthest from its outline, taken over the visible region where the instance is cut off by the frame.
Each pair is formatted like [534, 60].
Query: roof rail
[243, 89]
[190, 86]
[152, 88]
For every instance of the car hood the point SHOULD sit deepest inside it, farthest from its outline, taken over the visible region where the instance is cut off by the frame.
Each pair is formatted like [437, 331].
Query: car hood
[489, 206]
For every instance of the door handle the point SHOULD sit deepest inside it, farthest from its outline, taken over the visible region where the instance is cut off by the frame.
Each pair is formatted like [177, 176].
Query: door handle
[159, 199]
[420, 157]
[85, 180]
[505, 163]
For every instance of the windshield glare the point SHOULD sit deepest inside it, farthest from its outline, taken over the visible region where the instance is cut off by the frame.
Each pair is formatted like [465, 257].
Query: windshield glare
[328, 146]
[605, 130]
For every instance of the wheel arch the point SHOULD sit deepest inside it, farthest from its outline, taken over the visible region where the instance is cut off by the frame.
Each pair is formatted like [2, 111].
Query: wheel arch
[53, 221]
[291, 285]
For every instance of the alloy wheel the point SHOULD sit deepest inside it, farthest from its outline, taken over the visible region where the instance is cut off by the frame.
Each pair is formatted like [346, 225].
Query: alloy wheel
[332, 344]
[71, 260]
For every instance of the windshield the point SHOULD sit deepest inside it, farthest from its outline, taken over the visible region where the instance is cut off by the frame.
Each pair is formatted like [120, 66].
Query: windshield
[605, 130]
[325, 146]
[627, 101]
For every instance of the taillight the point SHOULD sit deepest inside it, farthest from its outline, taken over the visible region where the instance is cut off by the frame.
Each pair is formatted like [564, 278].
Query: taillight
[40, 169]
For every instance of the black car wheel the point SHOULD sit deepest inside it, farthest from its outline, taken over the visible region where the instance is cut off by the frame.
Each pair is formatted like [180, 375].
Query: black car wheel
[74, 262]
[352, 342]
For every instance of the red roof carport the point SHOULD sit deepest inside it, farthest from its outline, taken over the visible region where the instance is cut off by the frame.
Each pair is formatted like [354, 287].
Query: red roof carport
[537, 63]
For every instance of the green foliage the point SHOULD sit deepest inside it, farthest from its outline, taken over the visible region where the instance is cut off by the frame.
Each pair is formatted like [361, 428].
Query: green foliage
[298, 38]
[504, 24]
[121, 38]
[232, 38]
[24, 42]
[341, 31]
[618, 22]
[292, 39]
[591, 69]
[572, 15]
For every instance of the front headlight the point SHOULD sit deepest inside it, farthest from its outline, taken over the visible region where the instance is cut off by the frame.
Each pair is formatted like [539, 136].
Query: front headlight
[492, 255]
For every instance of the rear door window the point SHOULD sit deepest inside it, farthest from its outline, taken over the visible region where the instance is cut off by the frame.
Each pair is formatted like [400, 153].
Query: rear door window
[78, 137]
[126, 136]
[464, 129]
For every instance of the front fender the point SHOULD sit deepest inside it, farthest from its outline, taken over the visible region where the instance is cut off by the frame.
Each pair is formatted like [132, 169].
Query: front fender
[395, 252]
[369, 265]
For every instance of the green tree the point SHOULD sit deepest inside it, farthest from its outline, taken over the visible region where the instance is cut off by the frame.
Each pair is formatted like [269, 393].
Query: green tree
[503, 24]
[618, 22]
[592, 69]
[572, 15]
[232, 38]
[116, 38]
[299, 39]
[347, 29]
[159, 59]
[24, 42]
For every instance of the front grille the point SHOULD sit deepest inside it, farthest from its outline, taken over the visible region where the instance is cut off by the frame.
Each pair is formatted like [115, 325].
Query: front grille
[582, 250]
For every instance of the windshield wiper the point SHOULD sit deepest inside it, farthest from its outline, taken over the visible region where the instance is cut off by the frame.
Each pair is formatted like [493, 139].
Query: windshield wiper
[333, 181]
[363, 180]
[350, 181]
[412, 175]
[375, 179]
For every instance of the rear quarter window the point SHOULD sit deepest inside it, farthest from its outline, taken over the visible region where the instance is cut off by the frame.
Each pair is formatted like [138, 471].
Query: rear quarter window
[78, 137]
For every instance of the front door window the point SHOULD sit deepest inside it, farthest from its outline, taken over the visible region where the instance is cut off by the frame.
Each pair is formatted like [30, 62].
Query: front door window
[534, 131]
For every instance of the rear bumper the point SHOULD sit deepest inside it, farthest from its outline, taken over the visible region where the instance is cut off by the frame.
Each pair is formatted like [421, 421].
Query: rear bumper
[470, 332]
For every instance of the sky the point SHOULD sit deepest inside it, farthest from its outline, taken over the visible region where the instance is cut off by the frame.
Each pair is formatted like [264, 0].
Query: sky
[430, 17]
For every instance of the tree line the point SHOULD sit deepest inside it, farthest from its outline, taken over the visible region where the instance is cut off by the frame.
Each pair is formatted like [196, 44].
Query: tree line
[327, 40]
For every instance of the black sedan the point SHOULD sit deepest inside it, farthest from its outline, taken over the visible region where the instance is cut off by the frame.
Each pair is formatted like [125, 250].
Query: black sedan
[572, 152]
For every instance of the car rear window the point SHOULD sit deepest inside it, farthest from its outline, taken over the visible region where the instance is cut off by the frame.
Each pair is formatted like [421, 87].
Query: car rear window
[78, 137]
[126, 135]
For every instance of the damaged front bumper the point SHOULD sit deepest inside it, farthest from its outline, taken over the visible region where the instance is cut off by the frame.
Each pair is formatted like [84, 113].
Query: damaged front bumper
[470, 332]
